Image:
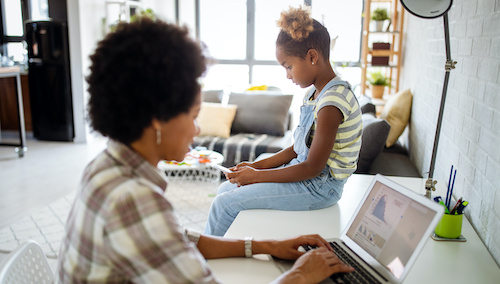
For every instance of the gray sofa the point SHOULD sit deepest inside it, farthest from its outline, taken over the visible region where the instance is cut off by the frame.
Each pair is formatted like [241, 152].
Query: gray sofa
[262, 125]
[374, 156]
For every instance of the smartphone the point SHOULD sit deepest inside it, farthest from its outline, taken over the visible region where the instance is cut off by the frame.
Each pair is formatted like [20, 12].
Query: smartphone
[222, 168]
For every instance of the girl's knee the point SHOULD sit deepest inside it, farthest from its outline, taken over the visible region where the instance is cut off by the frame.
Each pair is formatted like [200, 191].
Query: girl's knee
[219, 202]
[225, 187]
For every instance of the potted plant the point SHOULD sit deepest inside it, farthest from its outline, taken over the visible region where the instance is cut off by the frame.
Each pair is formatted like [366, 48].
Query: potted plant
[148, 13]
[379, 15]
[378, 82]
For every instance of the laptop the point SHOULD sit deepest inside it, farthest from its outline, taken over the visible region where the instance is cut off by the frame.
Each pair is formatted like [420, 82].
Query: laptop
[386, 233]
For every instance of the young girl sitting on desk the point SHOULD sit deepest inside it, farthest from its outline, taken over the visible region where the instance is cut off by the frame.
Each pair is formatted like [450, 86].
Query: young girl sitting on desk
[312, 172]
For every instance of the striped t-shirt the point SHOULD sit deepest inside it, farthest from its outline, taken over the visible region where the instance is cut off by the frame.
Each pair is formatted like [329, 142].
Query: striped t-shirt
[344, 156]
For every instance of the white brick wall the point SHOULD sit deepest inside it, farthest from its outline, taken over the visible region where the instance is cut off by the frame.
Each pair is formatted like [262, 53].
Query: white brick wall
[470, 134]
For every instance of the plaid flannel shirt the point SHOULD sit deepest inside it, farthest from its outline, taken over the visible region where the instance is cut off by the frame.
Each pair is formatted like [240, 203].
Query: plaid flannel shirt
[122, 229]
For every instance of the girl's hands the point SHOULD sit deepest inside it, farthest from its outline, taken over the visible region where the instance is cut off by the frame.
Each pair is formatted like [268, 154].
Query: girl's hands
[243, 174]
[242, 165]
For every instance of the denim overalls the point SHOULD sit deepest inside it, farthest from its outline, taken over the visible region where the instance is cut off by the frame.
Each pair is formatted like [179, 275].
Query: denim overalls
[316, 193]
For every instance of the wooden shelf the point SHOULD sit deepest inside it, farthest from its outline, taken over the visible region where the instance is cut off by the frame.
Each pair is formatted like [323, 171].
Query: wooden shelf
[394, 37]
[383, 52]
[369, 65]
[382, 32]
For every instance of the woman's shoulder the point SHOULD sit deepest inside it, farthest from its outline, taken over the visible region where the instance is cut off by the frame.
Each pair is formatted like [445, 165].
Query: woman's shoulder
[120, 193]
[110, 180]
[105, 170]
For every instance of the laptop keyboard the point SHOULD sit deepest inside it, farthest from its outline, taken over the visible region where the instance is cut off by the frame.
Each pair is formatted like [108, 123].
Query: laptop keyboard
[359, 275]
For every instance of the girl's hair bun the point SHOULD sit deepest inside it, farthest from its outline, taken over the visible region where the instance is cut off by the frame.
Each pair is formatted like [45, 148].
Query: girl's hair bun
[297, 22]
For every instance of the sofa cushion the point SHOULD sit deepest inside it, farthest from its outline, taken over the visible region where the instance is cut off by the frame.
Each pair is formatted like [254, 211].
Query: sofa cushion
[261, 113]
[369, 108]
[375, 131]
[397, 113]
[212, 96]
[216, 119]
[396, 148]
[393, 164]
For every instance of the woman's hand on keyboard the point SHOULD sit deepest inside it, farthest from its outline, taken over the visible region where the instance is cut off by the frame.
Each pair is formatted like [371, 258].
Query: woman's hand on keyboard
[318, 264]
[288, 249]
[313, 267]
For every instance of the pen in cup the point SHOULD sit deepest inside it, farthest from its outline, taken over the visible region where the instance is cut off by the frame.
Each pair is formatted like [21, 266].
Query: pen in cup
[454, 210]
[449, 185]
[449, 194]
[461, 207]
[439, 200]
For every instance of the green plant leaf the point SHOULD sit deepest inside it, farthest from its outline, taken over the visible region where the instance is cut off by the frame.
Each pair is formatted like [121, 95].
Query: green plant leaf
[380, 14]
[379, 79]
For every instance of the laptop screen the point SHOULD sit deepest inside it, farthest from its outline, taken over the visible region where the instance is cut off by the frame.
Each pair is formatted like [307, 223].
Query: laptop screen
[389, 226]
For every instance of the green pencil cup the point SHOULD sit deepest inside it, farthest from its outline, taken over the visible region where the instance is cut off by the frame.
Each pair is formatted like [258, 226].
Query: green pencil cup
[450, 226]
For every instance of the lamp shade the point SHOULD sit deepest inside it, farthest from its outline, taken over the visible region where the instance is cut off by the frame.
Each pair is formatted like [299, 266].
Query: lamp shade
[427, 8]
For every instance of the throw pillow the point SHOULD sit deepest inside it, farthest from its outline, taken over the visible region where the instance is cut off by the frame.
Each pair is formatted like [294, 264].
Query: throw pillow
[212, 96]
[368, 108]
[375, 132]
[397, 113]
[261, 113]
[216, 119]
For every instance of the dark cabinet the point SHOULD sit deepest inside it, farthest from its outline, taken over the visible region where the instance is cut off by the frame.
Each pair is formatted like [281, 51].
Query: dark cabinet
[49, 80]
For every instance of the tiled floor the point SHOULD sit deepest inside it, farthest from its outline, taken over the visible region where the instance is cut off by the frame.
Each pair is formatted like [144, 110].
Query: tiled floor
[47, 172]
[45, 226]
[36, 192]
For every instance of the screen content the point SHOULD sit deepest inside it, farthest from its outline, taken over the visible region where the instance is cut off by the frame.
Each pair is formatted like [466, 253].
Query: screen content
[389, 227]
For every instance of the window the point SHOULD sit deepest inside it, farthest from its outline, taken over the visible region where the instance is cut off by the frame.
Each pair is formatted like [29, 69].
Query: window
[240, 36]
[266, 29]
[226, 36]
[12, 17]
[342, 19]
[227, 76]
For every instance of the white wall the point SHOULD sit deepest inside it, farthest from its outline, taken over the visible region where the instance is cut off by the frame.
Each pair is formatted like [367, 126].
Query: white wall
[85, 30]
[85, 26]
[81, 129]
[470, 134]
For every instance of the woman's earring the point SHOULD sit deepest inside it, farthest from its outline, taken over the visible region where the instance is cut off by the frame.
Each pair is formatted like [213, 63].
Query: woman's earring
[313, 63]
[158, 136]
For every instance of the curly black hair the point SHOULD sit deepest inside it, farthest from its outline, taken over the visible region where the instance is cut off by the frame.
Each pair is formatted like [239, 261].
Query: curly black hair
[144, 70]
[299, 33]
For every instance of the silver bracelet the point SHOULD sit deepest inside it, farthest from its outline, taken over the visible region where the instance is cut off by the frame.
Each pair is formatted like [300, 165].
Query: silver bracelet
[248, 246]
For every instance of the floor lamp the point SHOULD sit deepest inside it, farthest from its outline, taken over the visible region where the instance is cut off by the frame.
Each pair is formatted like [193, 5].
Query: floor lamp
[430, 9]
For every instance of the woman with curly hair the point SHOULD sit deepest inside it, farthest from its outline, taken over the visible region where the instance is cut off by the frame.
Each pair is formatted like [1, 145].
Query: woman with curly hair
[312, 172]
[145, 96]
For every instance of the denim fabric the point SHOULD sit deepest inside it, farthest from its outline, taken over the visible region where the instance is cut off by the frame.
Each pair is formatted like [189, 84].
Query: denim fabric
[319, 192]
[316, 193]
[301, 134]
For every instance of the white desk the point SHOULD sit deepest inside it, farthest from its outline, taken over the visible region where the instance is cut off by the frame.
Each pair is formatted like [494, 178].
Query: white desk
[439, 262]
